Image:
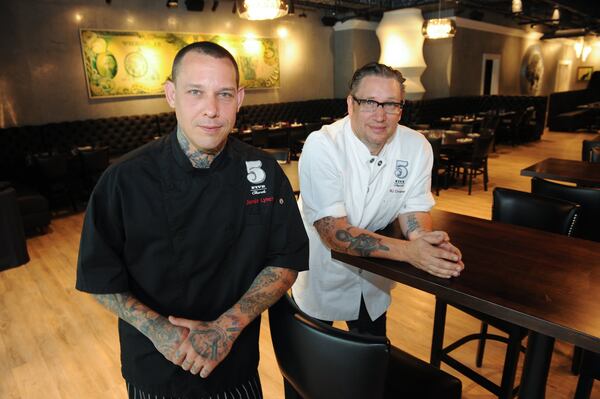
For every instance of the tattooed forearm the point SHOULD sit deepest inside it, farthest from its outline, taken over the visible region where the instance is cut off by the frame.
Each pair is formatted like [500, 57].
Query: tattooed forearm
[363, 244]
[147, 321]
[325, 226]
[267, 288]
[198, 158]
[412, 224]
[335, 232]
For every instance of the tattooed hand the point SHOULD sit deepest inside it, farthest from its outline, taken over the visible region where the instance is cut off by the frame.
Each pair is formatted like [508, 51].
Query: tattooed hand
[207, 343]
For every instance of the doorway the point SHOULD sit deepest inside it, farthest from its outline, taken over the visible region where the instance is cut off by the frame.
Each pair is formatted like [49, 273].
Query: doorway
[563, 75]
[490, 74]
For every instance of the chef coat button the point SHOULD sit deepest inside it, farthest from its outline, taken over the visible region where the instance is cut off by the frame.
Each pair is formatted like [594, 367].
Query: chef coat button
[379, 163]
[372, 160]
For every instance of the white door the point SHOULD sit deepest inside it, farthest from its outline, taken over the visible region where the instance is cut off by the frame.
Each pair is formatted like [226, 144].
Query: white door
[563, 75]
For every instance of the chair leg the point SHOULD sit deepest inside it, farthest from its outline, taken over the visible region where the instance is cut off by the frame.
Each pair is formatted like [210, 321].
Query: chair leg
[485, 176]
[471, 173]
[437, 340]
[577, 358]
[584, 387]
[289, 391]
[481, 344]
[511, 361]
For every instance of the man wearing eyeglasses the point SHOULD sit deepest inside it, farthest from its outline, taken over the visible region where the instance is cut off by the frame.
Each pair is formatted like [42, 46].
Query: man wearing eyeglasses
[358, 175]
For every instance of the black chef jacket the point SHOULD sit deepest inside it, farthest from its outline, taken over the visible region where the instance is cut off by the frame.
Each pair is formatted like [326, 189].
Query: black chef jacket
[188, 242]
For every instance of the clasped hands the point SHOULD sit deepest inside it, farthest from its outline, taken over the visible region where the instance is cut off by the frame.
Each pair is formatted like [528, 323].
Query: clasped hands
[197, 346]
[433, 253]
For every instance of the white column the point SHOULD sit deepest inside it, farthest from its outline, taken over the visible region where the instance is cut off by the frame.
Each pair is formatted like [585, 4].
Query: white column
[401, 41]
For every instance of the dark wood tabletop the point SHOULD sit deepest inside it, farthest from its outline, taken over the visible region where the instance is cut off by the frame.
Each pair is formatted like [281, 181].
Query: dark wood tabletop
[545, 282]
[580, 172]
[450, 138]
[542, 281]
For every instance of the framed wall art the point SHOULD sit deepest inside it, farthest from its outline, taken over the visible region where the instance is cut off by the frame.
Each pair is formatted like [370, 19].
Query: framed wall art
[584, 72]
[128, 63]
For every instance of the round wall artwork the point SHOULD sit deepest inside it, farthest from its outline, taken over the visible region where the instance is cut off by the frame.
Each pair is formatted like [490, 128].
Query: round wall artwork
[532, 71]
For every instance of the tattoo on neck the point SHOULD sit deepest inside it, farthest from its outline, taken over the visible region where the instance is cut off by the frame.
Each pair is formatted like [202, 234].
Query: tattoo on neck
[364, 244]
[198, 158]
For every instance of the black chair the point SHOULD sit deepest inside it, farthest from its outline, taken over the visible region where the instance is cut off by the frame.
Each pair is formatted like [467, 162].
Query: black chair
[55, 179]
[518, 208]
[587, 147]
[587, 224]
[13, 247]
[587, 198]
[280, 154]
[93, 163]
[476, 163]
[318, 361]
[595, 155]
[34, 209]
[590, 370]
[439, 170]
[260, 136]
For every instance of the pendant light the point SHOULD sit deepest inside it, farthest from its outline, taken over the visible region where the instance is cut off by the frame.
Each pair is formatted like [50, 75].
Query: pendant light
[439, 28]
[256, 10]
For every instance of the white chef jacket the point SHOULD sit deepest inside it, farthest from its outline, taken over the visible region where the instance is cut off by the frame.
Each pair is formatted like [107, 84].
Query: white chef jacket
[339, 177]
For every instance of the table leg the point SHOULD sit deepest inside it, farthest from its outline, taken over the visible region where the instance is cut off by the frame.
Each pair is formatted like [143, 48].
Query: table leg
[536, 366]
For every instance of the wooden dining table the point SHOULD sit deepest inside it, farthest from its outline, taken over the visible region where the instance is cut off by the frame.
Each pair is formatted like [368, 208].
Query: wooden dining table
[580, 172]
[547, 283]
[450, 138]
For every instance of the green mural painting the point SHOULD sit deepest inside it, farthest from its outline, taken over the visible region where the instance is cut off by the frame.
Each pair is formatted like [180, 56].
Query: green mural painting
[119, 63]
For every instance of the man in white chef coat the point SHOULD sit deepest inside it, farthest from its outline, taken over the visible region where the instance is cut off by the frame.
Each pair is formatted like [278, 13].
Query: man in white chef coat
[358, 175]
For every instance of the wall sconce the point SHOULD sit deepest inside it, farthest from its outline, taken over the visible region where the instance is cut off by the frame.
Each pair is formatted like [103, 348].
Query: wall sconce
[256, 10]
[578, 47]
[172, 4]
[582, 49]
[587, 49]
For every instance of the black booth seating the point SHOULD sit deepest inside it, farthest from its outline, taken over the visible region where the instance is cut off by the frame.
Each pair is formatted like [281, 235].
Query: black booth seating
[565, 111]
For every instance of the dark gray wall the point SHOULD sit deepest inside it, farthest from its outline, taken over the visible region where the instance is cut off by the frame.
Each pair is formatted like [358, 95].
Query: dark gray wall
[467, 53]
[41, 71]
[353, 49]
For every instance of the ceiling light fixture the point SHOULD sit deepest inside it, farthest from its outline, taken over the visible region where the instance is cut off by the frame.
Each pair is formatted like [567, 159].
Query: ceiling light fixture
[172, 4]
[516, 7]
[556, 16]
[439, 28]
[256, 10]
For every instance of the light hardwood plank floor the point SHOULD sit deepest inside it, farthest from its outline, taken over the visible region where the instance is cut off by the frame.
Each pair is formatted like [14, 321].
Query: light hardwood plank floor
[56, 342]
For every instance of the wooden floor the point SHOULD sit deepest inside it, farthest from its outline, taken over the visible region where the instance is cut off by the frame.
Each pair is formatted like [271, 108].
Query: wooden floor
[56, 342]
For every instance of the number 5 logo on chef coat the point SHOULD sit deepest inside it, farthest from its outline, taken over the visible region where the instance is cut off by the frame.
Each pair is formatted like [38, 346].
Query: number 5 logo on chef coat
[401, 169]
[255, 174]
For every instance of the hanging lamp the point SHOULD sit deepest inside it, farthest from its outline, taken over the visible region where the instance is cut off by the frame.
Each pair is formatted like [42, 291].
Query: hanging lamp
[257, 10]
[439, 28]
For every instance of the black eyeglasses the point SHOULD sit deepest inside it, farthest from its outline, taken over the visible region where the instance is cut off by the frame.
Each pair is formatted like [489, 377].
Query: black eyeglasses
[389, 107]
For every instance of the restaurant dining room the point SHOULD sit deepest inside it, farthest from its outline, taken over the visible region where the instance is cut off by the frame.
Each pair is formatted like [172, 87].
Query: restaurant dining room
[103, 201]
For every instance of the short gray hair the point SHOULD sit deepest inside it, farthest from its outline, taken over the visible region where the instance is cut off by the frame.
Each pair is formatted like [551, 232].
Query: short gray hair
[375, 69]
